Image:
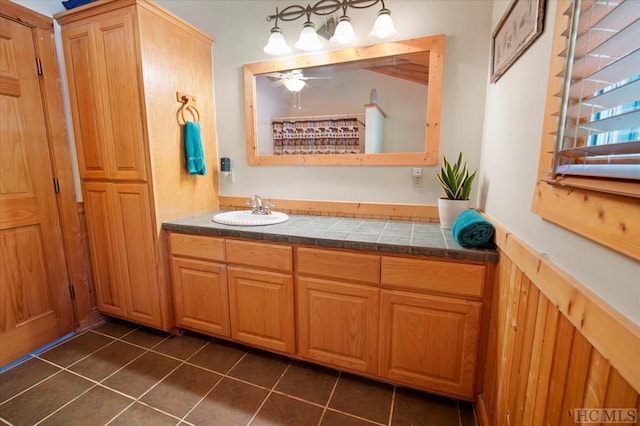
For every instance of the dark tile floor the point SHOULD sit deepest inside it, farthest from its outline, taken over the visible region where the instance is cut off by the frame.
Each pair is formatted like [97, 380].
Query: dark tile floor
[122, 374]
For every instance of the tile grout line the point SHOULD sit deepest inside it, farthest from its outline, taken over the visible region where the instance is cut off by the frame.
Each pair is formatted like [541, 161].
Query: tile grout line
[182, 362]
[393, 400]
[64, 405]
[62, 368]
[34, 385]
[137, 400]
[224, 375]
[326, 405]
[95, 382]
[270, 392]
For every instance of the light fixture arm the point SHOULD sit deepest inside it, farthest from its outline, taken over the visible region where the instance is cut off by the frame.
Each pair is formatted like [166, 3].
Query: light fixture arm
[321, 8]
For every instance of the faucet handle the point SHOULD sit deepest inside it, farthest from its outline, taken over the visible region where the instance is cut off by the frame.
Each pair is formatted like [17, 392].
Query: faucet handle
[268, 204]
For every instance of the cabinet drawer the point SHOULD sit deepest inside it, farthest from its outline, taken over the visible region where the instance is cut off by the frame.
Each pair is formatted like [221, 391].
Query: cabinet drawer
[432, 275]
[337, 264]
[209, 248]
[268, 256]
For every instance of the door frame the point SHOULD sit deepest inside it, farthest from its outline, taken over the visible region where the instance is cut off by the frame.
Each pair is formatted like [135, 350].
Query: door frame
[69, 210]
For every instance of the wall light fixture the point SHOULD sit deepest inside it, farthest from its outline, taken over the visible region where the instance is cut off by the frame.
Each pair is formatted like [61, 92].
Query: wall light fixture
[383, 28]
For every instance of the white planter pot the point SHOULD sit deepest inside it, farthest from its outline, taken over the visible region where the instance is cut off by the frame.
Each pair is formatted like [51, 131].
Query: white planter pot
[448, 210]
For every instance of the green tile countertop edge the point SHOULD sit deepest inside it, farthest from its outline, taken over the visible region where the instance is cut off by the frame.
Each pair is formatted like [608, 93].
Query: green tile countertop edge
[386, 236]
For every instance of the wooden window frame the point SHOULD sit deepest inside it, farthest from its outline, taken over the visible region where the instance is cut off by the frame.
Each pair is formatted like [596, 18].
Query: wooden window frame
[575, 203]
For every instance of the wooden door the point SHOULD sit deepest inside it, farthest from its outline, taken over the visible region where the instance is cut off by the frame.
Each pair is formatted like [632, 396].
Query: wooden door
[35, 305]
[261, 308]
[430, 342]
[200, 294]
[338, 323]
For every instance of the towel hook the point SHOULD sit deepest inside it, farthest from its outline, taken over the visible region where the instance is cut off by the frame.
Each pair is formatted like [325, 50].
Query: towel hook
[188, 107]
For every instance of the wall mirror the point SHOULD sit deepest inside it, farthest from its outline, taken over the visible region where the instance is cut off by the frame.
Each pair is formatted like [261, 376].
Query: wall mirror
[373, 105]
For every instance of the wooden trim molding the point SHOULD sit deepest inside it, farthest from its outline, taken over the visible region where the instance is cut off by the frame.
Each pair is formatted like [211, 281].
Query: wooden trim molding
[610, 220]
[553, 345]
[435, 45]
[408, 212]
[27, 17]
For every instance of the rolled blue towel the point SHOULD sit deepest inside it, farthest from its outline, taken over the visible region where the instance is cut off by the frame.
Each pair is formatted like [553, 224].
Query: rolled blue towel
[193, 149]
[471, 230]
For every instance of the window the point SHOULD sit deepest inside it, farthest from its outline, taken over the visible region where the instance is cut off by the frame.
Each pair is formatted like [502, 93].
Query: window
[589, 172]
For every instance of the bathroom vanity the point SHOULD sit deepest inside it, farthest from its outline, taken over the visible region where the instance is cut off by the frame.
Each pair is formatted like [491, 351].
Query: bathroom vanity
[397, 301]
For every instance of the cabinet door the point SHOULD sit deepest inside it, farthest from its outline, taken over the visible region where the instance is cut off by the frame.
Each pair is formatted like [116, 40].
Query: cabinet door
[103, 248]
[200, 295]
[117, 56]
[261, 308]
[100, 56]
[429, 342]
[82, 76]
[134, 230]
[338, 323]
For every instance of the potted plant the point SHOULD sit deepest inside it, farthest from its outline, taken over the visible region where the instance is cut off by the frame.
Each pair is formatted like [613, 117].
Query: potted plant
[456, 181]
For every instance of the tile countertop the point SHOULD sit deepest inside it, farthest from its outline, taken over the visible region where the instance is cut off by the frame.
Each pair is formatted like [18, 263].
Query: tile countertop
[388, 236]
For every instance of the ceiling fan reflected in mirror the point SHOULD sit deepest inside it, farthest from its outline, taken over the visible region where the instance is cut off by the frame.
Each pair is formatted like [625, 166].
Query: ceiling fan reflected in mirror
[293, 80]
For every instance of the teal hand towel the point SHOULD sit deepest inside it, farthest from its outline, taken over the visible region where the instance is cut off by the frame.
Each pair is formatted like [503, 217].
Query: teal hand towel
[193, 149]
[471, 230]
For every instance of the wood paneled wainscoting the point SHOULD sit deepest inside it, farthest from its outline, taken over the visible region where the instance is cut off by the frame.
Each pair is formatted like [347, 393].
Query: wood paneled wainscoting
[553, 346]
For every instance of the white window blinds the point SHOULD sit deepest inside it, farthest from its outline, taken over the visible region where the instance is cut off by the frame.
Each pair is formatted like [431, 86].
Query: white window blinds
[599, 125]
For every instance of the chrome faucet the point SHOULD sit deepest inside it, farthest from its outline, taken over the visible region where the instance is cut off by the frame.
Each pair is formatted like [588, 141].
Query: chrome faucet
[260, 207]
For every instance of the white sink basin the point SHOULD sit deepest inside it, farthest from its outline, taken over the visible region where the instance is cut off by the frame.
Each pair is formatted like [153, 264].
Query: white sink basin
[246, 218]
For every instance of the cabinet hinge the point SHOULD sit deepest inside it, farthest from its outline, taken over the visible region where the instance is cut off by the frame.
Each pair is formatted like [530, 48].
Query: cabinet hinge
[39, 66]
[56, 186]
[72, 291]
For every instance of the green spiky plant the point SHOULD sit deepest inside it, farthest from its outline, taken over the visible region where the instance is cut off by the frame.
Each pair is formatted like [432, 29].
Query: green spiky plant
[455, 179]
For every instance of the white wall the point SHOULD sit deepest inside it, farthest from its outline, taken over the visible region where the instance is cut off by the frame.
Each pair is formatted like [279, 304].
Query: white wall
[510, 150]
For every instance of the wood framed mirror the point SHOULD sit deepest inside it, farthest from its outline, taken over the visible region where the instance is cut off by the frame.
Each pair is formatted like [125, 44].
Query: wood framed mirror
[373, 105]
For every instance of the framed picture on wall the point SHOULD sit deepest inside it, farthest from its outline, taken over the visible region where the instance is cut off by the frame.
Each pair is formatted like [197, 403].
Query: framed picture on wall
[518, 28]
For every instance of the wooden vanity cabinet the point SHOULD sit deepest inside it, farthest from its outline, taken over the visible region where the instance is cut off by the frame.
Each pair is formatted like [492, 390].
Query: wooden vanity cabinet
[261, 294]
[200, 295]
[338, 308]
[415, 321]
[430, 324]
[125, 62]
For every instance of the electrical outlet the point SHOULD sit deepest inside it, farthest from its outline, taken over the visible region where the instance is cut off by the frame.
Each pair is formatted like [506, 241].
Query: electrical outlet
[416, 177]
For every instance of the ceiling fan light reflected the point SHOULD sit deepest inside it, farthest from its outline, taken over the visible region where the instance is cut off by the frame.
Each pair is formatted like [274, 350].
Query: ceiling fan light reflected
[383, 28]
[344, 34]
[309, 39]
[276, 45]
[293, 84]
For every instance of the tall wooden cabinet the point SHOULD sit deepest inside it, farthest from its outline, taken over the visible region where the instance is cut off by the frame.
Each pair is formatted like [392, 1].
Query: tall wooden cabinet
[126, 60]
